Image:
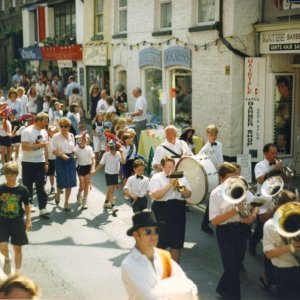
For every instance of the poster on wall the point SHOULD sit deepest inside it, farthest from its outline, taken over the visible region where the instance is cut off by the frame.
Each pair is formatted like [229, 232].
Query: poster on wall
[283, 108]
[254, 107]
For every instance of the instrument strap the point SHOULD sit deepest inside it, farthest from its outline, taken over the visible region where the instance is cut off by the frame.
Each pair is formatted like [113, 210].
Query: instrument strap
[175, 155]
[166, 262]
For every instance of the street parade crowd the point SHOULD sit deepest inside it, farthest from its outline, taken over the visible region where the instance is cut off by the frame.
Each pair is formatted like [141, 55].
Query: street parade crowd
[46, 123]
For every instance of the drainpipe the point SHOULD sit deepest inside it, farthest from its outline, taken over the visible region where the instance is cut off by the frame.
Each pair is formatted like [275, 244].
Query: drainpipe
[222, 38]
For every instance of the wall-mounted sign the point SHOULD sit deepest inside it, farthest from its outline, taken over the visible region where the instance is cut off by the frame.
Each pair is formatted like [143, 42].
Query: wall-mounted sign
[150, 57]
[254, 107]
[71, 52]
[65, 64]
[31, 53]
[95, 55]
[177, 56]
[284, 41]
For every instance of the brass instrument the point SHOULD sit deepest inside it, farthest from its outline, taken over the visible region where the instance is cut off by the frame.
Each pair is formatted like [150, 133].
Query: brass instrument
[235, 191]
[287, 223]
[286, 172]
[272, 186]
[177, 175]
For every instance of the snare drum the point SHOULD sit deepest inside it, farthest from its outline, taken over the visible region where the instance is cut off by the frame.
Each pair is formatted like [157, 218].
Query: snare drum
[202, 175]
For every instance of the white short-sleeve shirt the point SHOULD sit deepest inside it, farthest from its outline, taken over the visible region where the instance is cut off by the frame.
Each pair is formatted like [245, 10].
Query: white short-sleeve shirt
[62, 144]
[261, 168]
[111, 162]
[84, 155]
[137, 186]
[102, 106]
[160, 179]
[271, 240]
[214, 152]
[140, 104]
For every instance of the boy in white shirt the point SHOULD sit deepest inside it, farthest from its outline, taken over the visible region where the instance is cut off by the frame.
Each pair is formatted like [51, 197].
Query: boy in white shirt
[137, 187]
[111, 160]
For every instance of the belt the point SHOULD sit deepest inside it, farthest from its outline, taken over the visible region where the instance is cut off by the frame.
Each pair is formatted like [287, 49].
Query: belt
[232, 224]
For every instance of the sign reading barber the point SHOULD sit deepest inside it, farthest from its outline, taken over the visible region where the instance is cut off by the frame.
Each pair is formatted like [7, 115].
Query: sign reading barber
[253, 138]
[284, 41]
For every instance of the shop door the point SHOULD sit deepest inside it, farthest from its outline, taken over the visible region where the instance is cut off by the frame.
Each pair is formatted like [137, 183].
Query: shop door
[99, 76]
[181, 107]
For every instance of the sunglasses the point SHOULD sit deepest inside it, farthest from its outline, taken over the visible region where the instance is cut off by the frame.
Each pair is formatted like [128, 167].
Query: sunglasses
[64, 126]
[149, 231]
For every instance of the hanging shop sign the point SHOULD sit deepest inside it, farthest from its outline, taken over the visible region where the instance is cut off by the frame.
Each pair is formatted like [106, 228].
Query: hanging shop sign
[284, 41]
[150, 57]
[31, 53]
[71, 52]
[95, 55]
[254, 105]
[177, 56]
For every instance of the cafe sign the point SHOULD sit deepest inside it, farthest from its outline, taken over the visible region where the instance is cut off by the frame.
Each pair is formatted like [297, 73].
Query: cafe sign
[284, 41]
[95, 55]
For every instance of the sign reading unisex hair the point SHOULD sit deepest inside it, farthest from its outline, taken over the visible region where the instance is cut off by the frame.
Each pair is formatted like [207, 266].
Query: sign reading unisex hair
[150, 57]
[177, 56]
[31, 53]
[95, 56]
[254, 101]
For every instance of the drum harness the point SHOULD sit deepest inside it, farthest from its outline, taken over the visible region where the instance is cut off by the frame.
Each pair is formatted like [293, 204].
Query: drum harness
[175, 155]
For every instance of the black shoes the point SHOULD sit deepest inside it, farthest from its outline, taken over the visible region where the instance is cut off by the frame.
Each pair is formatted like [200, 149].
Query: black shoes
[207, 229]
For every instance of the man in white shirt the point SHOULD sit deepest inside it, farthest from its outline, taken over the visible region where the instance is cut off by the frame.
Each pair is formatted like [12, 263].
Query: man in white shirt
[172, 146]
[281, 251]
[264, 169]
[139, 114]
[34, 141]
[146, 267]
[102, 105]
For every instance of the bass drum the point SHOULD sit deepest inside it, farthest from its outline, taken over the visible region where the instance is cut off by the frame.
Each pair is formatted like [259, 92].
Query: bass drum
[202, 175]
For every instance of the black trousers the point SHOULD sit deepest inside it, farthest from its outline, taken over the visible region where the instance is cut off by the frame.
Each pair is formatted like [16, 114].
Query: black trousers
[231, 240]
[35, 173]
[287, 282]
[205, 220]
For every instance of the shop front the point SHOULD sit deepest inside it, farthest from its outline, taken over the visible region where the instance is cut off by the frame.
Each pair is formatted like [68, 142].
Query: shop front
[33, 57]
[279, 47]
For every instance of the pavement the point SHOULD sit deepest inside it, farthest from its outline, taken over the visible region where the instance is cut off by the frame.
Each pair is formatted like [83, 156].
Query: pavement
[78, 254]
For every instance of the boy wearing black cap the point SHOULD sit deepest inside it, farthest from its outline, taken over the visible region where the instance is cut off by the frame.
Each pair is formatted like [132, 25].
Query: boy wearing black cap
[111, 160]
[146, 266]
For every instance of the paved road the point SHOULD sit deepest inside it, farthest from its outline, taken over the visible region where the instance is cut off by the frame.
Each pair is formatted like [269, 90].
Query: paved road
[77, 255]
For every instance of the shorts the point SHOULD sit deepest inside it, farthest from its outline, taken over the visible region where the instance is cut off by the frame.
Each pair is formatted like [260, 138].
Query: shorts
[16, 140]
[127, 168]
[13, 229]
[173, 214]
[51, 167]
[5, 141]
[83, 170]
[111, 179]
[140, 204]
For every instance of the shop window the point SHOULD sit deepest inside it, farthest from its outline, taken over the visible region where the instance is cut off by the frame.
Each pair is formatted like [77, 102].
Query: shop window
[165, 14]
[181, 97]
[122, 15]
[206, 11]
[283, 109]
[99, 16]
[153, 94]
[65, 20]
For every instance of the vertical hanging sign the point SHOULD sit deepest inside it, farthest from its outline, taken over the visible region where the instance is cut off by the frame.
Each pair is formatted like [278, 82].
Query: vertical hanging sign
[42, 23]
[254, 104]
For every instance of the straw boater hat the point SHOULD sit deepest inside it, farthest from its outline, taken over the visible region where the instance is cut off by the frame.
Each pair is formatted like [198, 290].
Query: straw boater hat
[143, 219]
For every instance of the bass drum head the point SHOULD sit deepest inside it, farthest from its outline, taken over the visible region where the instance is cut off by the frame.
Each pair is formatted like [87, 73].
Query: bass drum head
[196, 176]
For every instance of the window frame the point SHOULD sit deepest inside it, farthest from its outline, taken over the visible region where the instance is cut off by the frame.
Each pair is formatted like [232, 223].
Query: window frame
[216, 14]
[162, 2]
[96, 16]
[122, 9]
[61, 14]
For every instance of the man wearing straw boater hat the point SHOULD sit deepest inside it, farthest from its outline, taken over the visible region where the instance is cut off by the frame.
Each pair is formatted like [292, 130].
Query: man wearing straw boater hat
[149, 272]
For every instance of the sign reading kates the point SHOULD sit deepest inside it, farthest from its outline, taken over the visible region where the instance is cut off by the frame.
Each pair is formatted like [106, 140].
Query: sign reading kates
[284, 41]
[72, 52]
[254, 107]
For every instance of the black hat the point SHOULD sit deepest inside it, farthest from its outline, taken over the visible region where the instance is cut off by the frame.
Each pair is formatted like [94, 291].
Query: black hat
[184, 131]
[142, 219]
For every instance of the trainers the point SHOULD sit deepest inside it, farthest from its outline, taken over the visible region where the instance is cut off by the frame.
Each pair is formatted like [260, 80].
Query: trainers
[114, 209]
[44, 212]
[52, 190]
[84, 204]
[106, 205]
[7, 266]
[79, 200]
[126, 197]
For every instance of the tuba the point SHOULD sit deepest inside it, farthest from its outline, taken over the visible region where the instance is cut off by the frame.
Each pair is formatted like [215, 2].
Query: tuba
[287, 223]
[272, 186]
[234, 191]
[286, 172]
